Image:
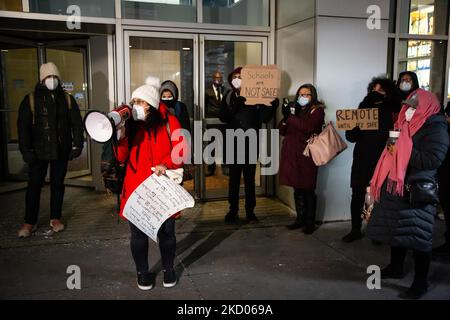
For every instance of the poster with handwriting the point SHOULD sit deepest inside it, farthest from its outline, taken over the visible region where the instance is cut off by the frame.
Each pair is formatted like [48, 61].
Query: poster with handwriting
[260, 84]
[155, 201]
[365, 119]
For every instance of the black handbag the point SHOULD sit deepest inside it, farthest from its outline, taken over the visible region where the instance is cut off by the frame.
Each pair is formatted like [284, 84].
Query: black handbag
[422, 191]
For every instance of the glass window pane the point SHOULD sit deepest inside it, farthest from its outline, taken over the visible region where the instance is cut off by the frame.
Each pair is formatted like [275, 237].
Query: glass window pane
[392, 15]
[236, 12]
[161, 10]
[20, 76]
[428, 17]
[224, 57]
[427, 59]
[11, 5]
[89, 8]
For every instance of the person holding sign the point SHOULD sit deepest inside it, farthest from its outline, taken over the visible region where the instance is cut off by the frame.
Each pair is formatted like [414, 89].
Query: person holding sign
[238, 115]
[369, 144]
[147, 144]
[302, 118]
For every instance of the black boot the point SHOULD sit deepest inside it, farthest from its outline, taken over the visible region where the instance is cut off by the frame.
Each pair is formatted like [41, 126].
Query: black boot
[353, 236]
[395, 269]
[299, 207]
[310, 212]
[420, 285]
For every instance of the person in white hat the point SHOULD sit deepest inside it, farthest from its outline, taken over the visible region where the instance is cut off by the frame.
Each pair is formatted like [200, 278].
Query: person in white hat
[50, 132]
[146, 147]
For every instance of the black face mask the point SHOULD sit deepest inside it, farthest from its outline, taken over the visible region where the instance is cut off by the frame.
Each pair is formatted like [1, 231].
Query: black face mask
[169, 103]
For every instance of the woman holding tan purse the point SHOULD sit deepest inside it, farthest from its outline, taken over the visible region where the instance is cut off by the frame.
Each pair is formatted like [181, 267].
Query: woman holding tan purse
[303, 118]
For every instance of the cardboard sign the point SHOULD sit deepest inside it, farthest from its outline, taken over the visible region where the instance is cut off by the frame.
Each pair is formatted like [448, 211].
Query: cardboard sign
[260, 84]
[366, 119]
[155, 201]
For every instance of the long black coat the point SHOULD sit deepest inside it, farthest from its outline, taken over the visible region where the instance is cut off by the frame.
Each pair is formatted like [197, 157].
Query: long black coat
[394, 221]
[53, 129]
[371, 143]
[237, 115]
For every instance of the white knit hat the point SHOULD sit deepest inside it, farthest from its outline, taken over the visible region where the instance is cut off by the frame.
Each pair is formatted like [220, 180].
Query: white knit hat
[149, 92]
[48, 69]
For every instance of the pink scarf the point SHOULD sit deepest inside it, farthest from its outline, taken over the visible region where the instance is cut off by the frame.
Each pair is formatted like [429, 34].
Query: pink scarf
[394, 166]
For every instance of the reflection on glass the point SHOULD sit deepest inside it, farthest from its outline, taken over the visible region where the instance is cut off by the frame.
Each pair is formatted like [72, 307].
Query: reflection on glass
[71, 65]
[236, 12]
[223, 57]
[160, 10]
[427, 59]
[11, 5]
[89, 8]
[20, 76]
[425, 17]
[167, 59]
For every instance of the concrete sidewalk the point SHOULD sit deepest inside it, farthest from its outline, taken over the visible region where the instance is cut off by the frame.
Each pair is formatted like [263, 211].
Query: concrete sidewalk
[215, 261]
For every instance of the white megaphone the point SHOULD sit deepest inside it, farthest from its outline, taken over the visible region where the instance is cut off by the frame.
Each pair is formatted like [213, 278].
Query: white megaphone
[101, 127]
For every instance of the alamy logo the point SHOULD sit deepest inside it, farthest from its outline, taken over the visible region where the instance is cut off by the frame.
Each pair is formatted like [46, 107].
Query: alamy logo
[374, 20]
[374, 280]
[74, 18]
[74, 280]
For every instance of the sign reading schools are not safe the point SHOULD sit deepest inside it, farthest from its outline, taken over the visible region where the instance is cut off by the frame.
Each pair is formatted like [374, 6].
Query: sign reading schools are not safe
[260, 84]
[365, 119]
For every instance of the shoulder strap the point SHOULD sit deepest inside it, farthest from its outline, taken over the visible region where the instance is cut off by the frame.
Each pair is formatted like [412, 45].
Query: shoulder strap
[31, 100]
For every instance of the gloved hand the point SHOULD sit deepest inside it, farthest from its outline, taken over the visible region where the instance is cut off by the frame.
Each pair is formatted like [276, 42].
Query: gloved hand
[75, 153]
[286, 111]
[29, 157]
[240, 101]
[275, 103]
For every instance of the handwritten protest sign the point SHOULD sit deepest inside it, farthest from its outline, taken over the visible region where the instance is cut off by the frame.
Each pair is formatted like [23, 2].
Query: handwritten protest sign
[155, 201]
[366, 119]
[260, 84]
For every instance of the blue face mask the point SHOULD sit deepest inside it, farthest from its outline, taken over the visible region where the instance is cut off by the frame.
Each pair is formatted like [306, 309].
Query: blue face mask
[302, 101]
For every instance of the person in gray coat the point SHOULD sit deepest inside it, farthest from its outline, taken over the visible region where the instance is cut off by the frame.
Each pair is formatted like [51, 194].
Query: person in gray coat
[414, 157]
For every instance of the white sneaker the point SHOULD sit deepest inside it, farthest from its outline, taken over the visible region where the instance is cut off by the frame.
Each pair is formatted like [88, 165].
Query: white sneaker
[26, 230]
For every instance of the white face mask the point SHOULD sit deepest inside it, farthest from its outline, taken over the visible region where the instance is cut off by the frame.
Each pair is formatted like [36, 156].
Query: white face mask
[167, 99]
[409, 114]
[236, 83]
[302, 101]
[405, 86]
[51, 83]
[139, 113]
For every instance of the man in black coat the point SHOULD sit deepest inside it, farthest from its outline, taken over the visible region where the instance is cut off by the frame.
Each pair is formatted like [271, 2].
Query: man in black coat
[237, 115]
[50, 133]
[382, 94]
[444, 195]
[214, 95]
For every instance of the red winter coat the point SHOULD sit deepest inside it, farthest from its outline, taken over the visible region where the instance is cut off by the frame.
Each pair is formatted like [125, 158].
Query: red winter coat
[147, 152]
[296, 170]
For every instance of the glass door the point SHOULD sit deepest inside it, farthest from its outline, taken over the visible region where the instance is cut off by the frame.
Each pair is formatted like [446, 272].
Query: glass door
[71, 59]
[169, 57]
[18, 77]
[220, 56]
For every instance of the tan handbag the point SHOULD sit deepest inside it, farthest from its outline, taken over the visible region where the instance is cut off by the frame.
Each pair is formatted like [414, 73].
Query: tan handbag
[325, 147]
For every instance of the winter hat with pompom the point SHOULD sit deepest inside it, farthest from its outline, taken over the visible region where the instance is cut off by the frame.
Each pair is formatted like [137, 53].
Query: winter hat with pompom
[149, 92]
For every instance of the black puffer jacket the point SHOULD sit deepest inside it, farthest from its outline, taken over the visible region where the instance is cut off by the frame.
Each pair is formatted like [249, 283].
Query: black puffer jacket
[371, 143]
[52, 130]
[394, 221]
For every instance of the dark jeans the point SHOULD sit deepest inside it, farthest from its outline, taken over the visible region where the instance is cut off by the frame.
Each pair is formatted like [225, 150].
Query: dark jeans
[167, 246]
[356, 207]
[37, 172]
[305, 205]
[236, 171]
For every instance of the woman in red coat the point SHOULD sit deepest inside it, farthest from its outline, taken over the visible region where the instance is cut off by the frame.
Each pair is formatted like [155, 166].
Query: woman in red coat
[146, 144]
[302, 119]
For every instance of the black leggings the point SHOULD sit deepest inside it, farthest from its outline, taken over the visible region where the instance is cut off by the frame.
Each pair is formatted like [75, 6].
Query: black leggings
[167, 246]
